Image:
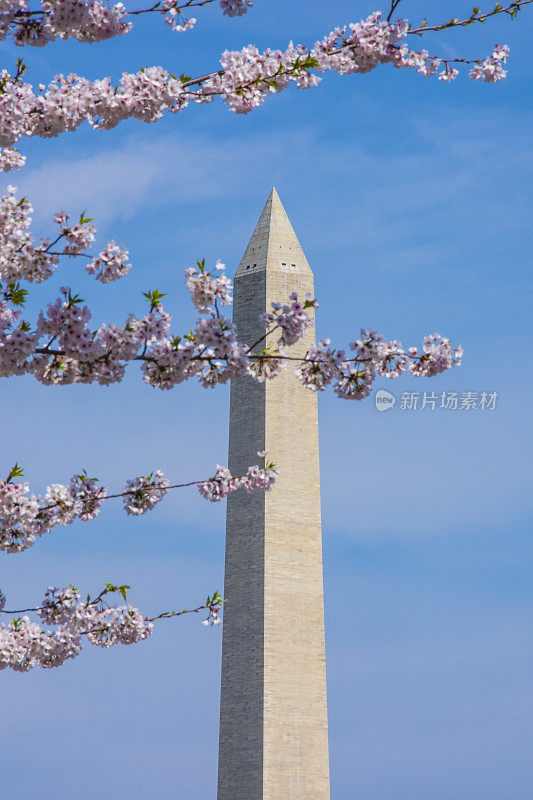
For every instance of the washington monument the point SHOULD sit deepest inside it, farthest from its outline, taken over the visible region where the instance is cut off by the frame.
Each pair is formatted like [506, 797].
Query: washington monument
[273, 714]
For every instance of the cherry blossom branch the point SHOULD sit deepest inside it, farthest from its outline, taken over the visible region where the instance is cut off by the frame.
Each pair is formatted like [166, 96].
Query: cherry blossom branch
[63, 349]
[178, 6]
[72, 352]
[21, 258]
[476, 16]
[24, 517]
[211, 352]
[244, 81]
[25, 644]
[92, 20]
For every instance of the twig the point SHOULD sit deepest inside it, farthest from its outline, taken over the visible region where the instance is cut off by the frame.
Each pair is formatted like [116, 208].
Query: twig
[512, 9]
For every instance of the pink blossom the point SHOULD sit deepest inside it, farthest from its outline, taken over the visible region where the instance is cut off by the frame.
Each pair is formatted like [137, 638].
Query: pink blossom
[112, 263]
[219, 486]
[11, 159]
[144, 492]
[490, 69]
[268, 364]
[293, 320]
[437, 356]
[235, 7]
[24, 644]
[354, 381]
[207, 289]
[321, 365]
[246, 78]
[260, 479]
[448, 74]
[84, 20]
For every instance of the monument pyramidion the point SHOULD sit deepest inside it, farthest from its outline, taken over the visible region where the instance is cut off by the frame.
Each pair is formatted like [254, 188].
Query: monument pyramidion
[273, 713]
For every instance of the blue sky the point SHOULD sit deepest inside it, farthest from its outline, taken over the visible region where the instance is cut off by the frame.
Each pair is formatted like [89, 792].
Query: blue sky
[412, 202]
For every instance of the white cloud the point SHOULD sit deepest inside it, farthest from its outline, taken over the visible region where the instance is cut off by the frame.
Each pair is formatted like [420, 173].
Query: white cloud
[117, 183]
[362, 188]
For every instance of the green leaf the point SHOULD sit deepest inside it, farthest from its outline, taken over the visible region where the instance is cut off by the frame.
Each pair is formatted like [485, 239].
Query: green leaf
[122, 590]
[15, 294]
[15, 472]
[21, 66]
[154, 298]
[309, 61]
[74, 299]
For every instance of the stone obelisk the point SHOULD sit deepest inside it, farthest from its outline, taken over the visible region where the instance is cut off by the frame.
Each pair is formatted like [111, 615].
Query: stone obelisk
[273, 715]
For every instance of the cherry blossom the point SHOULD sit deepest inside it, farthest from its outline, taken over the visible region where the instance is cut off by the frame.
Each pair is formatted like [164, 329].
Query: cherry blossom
[213, 618]
[142, 494]
[110, 264]
[207, 289]
[63, 348]
[175, 20]
[22, 258]
[219, 486]
[266, 363]
[223, 483]
[437, 356]
[292, 320]
[448, 74]
[244, 81]
[11, 159]
[24, 517]
[92, 20]
[321, 366]
[25, 644]
[490, 69]
[234, 8]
